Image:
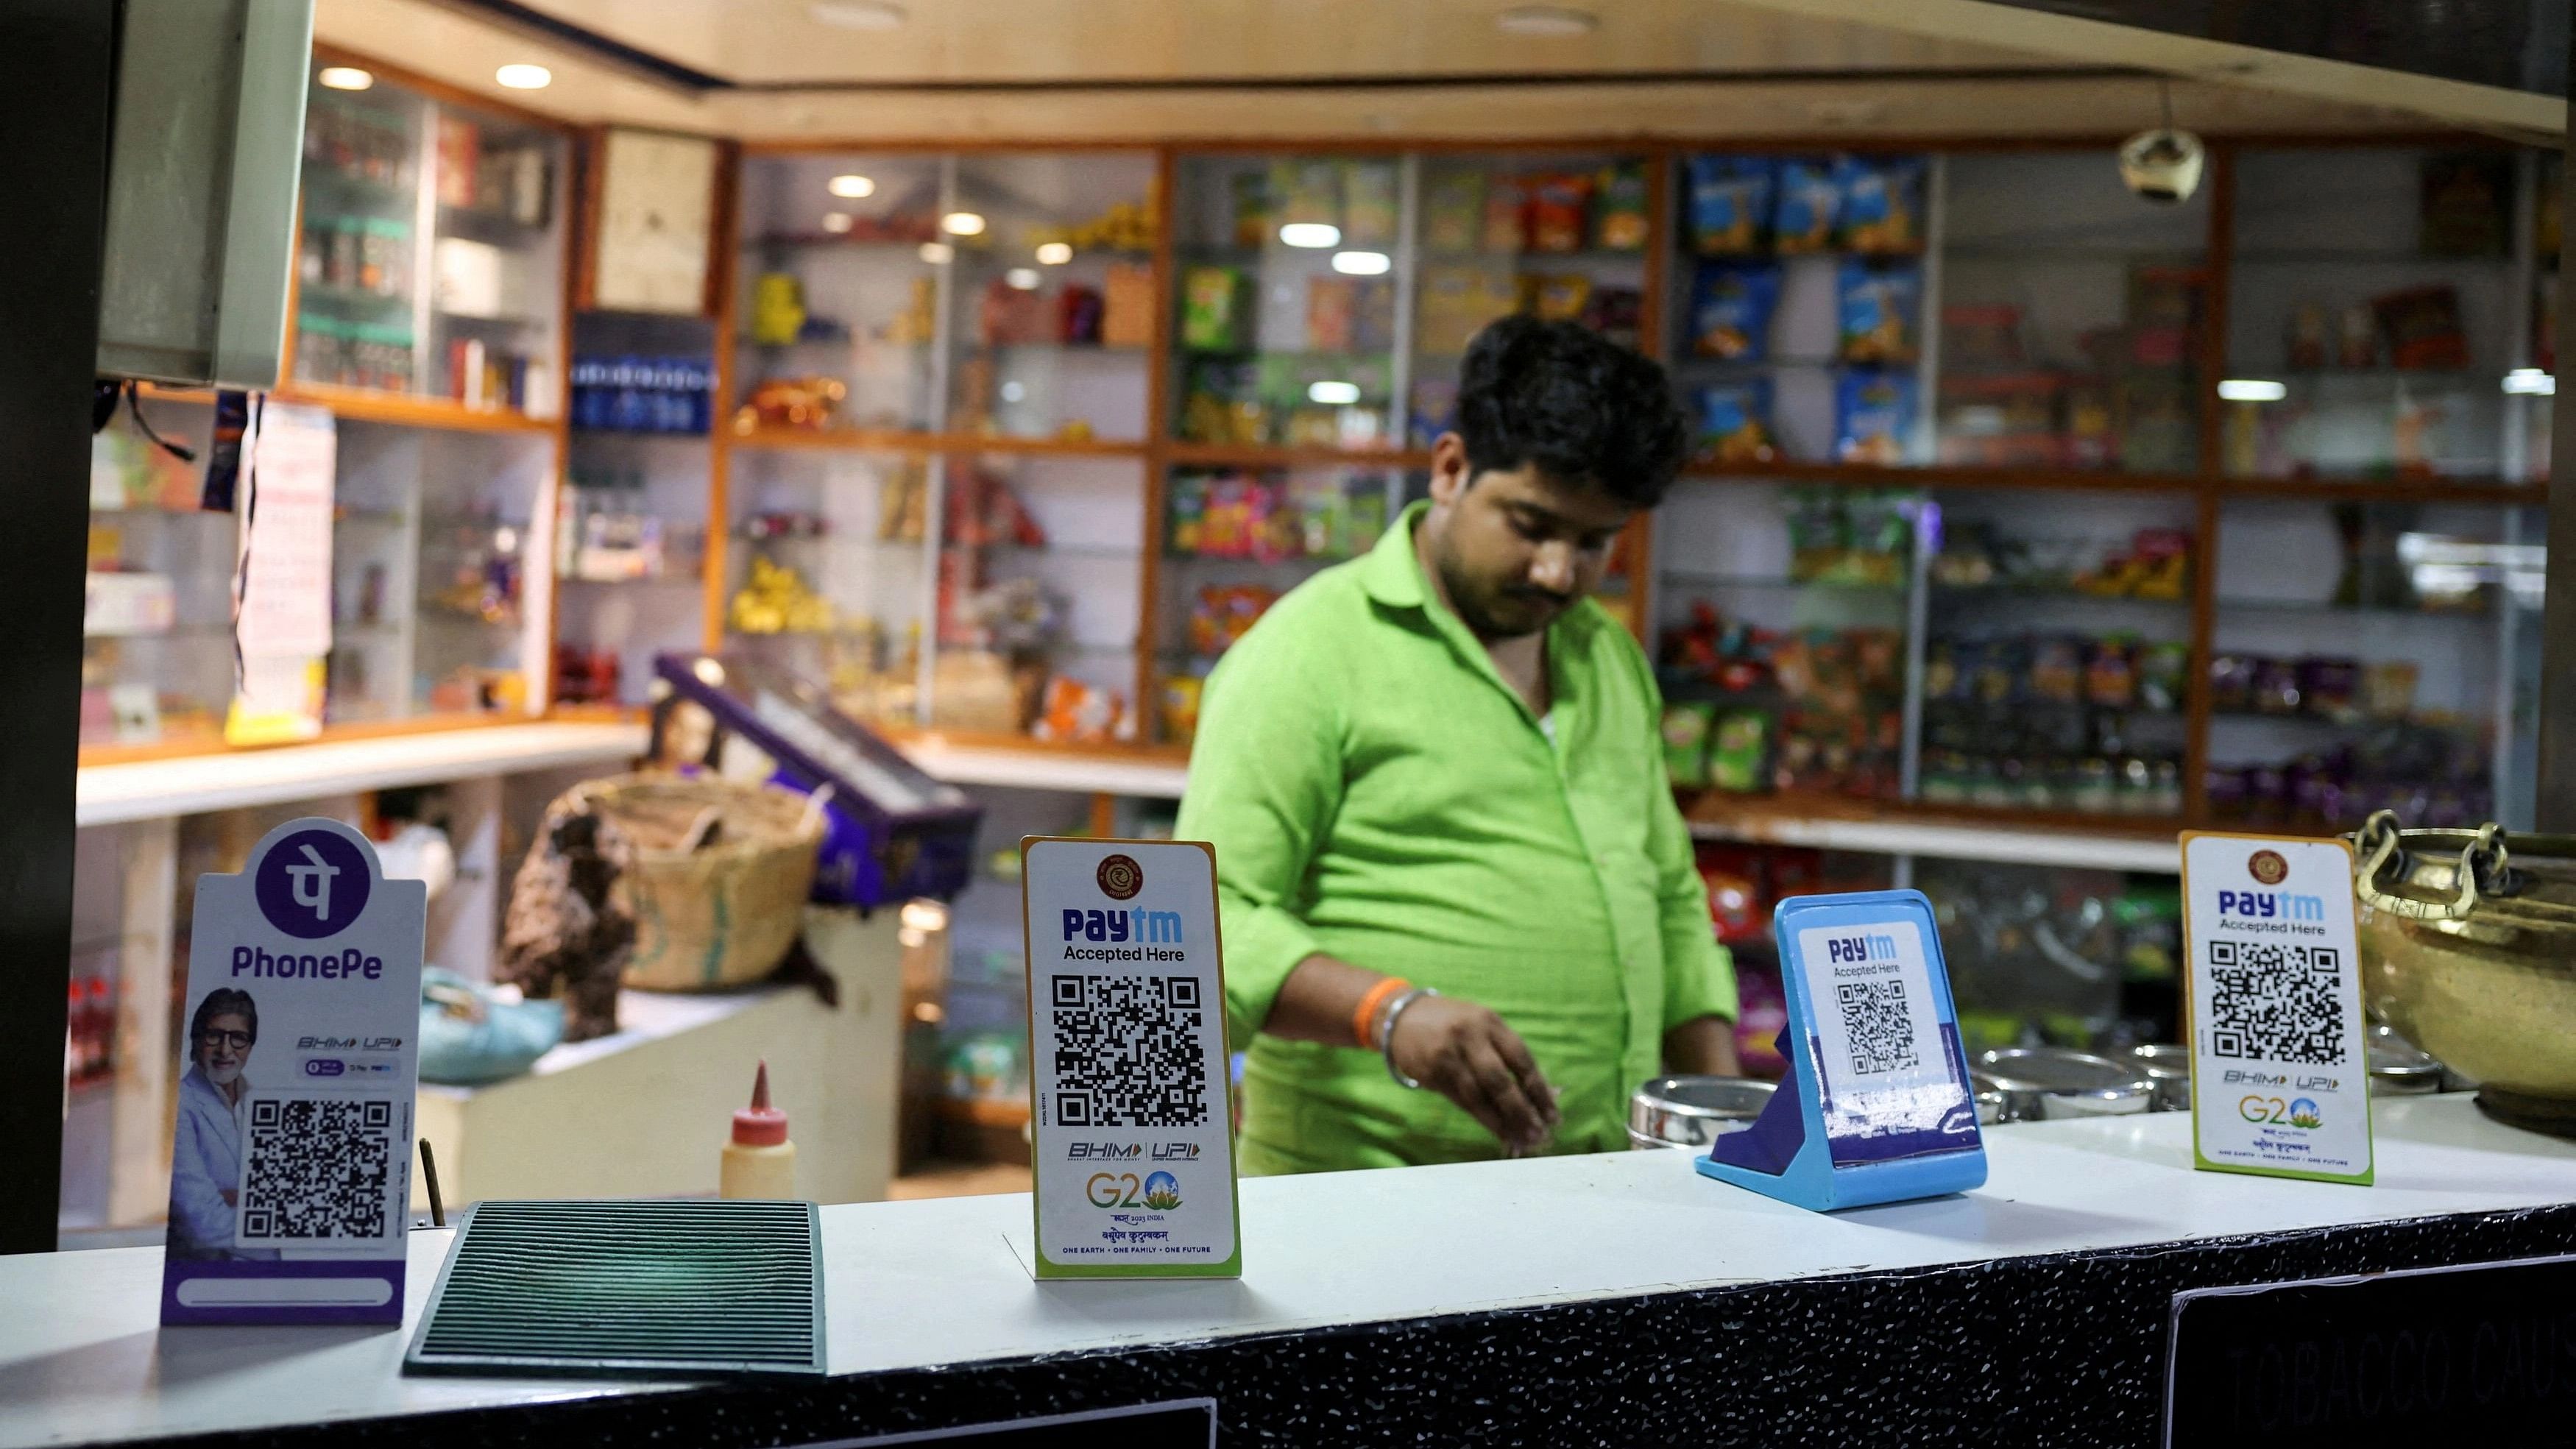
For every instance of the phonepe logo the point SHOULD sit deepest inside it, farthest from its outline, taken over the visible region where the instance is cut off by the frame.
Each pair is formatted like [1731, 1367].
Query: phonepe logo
[312, 884]
[2271, 905]
[1141, 926]
[1856, 949]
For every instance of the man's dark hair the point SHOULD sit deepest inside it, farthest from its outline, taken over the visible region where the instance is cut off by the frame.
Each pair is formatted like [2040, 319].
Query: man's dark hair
[1581, 409]
[222, 1001]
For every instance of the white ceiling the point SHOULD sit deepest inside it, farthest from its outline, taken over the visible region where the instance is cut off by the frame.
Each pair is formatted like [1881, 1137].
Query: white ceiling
[1035, 70]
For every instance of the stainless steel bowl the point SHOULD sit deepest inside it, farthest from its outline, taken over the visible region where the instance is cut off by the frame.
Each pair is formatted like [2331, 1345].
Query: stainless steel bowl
[2046, 1083]
[2398, 1069]
[1694, 1111]
[2168, 1065]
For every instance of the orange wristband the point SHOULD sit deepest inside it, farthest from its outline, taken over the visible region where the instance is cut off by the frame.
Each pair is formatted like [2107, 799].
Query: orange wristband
[1366, 1016]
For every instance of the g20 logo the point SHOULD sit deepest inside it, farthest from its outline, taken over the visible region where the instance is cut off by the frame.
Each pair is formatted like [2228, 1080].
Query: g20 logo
[2273, 1111]
[1159, 1190]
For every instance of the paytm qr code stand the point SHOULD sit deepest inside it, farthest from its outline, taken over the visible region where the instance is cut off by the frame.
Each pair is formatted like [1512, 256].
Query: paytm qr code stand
[1130, 1132]
[2279, 1072]
[290, 1161]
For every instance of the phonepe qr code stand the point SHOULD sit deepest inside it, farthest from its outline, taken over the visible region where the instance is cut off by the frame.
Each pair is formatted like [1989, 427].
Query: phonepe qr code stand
[290, 1164]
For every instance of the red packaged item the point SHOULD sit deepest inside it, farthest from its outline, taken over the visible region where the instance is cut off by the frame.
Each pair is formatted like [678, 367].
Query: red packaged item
[2423, 328]
[1558, 207]
[1736, 907]
[1506, 218]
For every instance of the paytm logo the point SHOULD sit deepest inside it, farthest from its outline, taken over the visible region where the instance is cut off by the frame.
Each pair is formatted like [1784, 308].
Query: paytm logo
[1856, 949]
[2271, 905]
[1139, 925]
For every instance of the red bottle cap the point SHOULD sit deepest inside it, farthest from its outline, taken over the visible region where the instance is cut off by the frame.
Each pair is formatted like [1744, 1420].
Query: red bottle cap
[760, 1124]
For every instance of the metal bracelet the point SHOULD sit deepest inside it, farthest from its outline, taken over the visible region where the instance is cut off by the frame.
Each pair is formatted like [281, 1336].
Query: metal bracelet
[1386, 1033]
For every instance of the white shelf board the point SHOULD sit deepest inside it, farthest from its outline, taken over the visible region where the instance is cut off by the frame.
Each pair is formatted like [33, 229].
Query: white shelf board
[1047, 770]
[2006, 844]
[231, 780]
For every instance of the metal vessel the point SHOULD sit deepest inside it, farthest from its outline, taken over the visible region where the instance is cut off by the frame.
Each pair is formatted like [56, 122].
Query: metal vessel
[2168, 1065]
[2468, 949]
[1693, 1111]
[2030, 1084]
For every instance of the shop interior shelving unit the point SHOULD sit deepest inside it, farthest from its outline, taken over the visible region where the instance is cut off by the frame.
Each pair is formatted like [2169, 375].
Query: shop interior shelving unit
[2067, 583]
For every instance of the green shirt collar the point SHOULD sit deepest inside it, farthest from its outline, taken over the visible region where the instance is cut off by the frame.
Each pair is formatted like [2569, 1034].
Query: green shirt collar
[1393, 573]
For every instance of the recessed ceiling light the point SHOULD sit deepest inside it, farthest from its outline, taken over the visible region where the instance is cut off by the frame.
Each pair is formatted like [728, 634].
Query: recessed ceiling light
[938, 254]
[346, 78]
[836, 222]
[962, 223]
[851, 184]
[1055, 254]
[1333, 394]
[2530, 382]
[2252, 389]
[1024, 278]
[1313, 235]
[1554, 22]
[858, 14]
[524, 77]
[1362, 264]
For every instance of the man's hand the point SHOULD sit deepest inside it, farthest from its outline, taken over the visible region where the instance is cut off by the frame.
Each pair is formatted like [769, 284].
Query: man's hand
[1465, 1053]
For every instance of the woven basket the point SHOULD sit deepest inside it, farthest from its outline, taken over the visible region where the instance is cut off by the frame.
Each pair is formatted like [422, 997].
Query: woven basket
[723, 914]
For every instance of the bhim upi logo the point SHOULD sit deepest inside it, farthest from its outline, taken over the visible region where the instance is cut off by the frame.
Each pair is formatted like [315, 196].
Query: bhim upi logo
[1121, 877]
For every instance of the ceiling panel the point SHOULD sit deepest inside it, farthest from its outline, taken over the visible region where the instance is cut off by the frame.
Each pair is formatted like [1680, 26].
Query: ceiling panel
[781, 42]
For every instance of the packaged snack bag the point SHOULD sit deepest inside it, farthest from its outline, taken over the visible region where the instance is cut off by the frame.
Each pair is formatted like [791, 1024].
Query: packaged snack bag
[1619, 222]
[1617, 313]
[1307, 190]
[1556, 296]
[1213, 309]
[1873, 415]
[1453, 211]
[1558, 206]
[1332, 313]
[1881, 307]
[1506, 215]
[1739, 751]
[1731, 307]
[1882, 204]
[1368, 204]
[1188, 512]
[1181, 706]
[1809, 202]
[1735, 422]
[1729, 204]
[1686, 731]
[1254, 211]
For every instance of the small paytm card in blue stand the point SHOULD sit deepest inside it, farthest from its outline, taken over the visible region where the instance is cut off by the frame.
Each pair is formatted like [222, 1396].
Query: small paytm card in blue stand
[1876, 1107]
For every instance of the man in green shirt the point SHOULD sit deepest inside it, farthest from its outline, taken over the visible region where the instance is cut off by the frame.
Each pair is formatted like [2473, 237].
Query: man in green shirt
[1447, 853]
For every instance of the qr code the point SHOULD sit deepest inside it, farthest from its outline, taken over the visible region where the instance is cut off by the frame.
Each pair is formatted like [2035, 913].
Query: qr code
[1877, 1025]
[1127, 1051]
[318, 1170]
[2271, 1002]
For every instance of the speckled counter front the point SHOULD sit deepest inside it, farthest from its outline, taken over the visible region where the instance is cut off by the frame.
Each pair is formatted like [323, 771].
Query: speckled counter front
[1618, 1299]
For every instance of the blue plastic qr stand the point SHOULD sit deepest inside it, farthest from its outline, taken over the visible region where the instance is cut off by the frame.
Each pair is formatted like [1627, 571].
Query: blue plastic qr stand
[1876, 1107]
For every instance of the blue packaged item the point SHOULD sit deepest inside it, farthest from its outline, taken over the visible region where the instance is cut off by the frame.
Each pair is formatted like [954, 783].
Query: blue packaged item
[1730, 204]
[1882, 204]
[1873, 415]
[1876, 1106]
[1881, 308]
[1731, 307]
[1810, 202]
[1735, 422]
[470, 1036]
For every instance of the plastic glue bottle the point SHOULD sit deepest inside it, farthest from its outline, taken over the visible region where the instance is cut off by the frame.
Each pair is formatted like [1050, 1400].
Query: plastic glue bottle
[759, 1162]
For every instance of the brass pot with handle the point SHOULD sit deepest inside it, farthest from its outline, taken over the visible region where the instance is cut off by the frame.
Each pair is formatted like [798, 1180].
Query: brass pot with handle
[2468, 949]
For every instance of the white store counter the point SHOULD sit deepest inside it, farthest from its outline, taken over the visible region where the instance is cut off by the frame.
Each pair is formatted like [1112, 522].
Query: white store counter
[1385, 1255]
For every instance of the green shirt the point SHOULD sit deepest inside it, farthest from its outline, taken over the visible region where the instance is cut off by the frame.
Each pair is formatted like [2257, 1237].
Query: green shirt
[1376, 792]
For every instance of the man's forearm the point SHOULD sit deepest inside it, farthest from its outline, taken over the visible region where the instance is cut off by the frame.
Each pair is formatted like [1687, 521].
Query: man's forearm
[1318, 999]
[1703, 1046]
